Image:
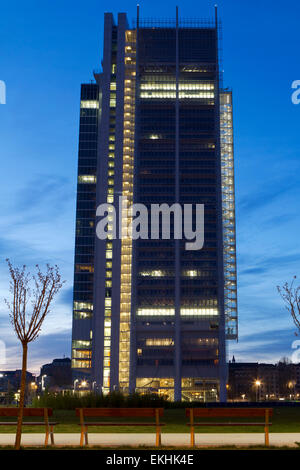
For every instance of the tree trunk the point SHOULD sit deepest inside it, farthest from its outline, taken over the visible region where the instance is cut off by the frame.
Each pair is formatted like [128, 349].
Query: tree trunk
[22, 397]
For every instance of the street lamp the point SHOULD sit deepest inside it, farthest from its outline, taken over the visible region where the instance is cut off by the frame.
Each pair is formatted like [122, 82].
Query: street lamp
[74, 386]
[291, 386]
[258, 384]
[43, 381]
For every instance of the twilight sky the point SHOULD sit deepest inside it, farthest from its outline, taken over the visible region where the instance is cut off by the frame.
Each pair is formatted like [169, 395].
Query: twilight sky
[47, 50]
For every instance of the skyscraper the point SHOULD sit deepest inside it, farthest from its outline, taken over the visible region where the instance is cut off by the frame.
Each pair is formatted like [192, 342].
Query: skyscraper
[156, 128]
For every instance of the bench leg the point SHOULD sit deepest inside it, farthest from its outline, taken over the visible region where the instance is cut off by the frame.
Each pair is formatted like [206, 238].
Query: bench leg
[51, 435]
[46, 436]
[192, 436]
[82, 436]
[267, 441]
[158, 437]
[86, 436]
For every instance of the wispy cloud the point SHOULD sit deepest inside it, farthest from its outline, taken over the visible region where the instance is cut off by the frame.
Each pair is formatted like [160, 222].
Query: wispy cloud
[46, 348]
[264, 346]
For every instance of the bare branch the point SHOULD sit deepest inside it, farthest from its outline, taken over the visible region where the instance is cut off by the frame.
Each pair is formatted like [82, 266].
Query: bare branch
[46, 285]
[291, 298]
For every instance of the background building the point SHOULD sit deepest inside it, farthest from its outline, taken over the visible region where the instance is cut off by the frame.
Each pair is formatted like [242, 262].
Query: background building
[10, 381]
[56, 375]
[253, 381]
[156, 127]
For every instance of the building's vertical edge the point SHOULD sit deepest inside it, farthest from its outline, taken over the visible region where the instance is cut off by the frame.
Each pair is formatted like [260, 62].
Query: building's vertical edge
[229, 226]
[125, 327]
[222, 341]
[236, 336]
[132, 376]
[118, 178]
[177, 382]
[101, 195]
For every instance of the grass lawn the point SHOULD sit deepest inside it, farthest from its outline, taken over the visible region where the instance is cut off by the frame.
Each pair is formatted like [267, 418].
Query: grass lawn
[284, 419]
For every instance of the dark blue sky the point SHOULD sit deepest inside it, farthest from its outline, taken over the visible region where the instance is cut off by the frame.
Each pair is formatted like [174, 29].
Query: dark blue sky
[47, 50]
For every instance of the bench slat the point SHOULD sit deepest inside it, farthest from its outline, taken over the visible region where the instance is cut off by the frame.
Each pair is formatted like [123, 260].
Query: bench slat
[26, 423]
[120, 412]
[27, 412]
[114, 423]
[228, 424]
[229, 412]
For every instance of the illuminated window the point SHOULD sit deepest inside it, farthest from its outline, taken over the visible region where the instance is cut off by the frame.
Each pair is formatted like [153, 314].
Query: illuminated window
[81, 344]
[83, 306]
[154, 382]
[81, 364]
[153, 136]
[159, 342]
[172, 94]
[84, 268]
[89, 104]
[149, 312]
[207, 312]
[153, 273]
[171, 311]
[82, 353]
[87, 179]
[82, 315]
[190, 273]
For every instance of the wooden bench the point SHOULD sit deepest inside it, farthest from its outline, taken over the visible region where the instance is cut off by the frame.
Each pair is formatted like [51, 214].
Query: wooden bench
[119, 413]
[31, 412]
[265, 413]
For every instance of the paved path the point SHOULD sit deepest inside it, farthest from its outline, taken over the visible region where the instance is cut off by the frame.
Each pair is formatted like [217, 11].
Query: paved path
[175, 439]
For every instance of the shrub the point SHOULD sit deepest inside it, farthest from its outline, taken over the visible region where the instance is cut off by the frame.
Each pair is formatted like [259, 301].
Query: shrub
[70, 400]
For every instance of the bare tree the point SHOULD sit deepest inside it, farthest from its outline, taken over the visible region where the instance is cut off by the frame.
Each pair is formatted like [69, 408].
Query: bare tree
[291, 297]
[40, 288]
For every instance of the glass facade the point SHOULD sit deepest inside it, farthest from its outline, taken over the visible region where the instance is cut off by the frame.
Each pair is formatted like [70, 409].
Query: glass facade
[188, 83]
[85, 231]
